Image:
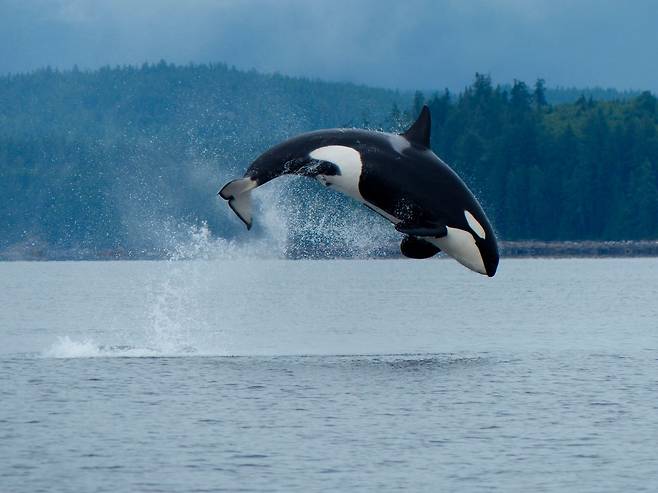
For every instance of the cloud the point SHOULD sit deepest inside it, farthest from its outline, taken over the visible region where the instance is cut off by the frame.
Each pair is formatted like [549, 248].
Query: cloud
[413, 44]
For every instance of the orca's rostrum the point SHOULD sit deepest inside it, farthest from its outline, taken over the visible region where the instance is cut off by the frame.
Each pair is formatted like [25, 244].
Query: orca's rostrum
[397, 176]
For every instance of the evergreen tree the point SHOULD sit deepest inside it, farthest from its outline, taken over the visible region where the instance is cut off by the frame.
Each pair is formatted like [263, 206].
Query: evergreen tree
[419, 101]
[539, 95]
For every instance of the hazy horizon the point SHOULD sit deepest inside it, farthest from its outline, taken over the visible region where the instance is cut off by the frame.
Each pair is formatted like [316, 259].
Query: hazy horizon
[416, 45]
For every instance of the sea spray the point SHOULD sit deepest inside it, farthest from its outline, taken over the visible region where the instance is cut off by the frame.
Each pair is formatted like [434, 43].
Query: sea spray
[303, 220]
[294, 219]
[65, 347]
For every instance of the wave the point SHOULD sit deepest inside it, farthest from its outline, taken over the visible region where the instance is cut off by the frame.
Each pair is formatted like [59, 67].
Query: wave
[66, 348]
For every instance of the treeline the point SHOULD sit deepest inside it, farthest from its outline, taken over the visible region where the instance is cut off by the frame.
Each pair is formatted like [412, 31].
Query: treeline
[117, 159]
[581, 171]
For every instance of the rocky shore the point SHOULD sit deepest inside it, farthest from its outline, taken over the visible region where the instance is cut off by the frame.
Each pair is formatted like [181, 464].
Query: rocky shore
[508, 249]
[579, 248]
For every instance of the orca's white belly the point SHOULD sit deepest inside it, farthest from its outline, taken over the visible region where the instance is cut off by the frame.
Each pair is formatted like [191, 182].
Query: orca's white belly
[460, 245]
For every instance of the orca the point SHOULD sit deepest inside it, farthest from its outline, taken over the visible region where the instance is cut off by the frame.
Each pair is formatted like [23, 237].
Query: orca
[397, 176]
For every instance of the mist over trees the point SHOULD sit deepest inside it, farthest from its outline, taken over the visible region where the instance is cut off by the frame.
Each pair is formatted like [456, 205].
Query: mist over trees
[114, 160]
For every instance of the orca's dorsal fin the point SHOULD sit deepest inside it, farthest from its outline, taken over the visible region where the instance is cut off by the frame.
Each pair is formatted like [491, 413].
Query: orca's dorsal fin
[419, 132]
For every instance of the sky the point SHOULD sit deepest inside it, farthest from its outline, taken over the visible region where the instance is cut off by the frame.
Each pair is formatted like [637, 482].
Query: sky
[403, 44]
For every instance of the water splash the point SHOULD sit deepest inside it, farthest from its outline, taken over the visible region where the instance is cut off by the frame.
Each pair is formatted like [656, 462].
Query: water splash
[306, 221]
[175, 325]
[295, 219]
[67, 348]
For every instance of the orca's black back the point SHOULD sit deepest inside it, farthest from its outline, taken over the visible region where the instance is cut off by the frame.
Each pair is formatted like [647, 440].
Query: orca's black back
[409, 182]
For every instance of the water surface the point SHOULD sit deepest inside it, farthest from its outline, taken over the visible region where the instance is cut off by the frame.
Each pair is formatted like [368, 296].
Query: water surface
[328, 375]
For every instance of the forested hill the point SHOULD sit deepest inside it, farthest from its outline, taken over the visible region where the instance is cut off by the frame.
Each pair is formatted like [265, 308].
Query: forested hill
[121, 159]
[116, 160]
[587, 170]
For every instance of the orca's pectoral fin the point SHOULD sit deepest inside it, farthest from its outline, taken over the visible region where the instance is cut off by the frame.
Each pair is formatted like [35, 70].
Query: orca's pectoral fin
[238, 194]
[417, 248]
[434, 230]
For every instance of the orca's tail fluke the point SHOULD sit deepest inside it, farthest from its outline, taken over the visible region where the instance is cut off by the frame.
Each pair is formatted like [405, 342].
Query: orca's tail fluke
[238, 194]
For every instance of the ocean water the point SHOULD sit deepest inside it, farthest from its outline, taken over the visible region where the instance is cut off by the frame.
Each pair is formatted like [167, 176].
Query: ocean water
[346, 375]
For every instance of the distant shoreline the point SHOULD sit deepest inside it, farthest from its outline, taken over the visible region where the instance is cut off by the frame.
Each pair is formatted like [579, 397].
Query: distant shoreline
[508, 249]
[584, 249]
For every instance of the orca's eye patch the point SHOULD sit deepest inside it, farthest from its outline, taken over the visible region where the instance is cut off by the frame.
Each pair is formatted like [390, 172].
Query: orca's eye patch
[328, 169]
[475, 225]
